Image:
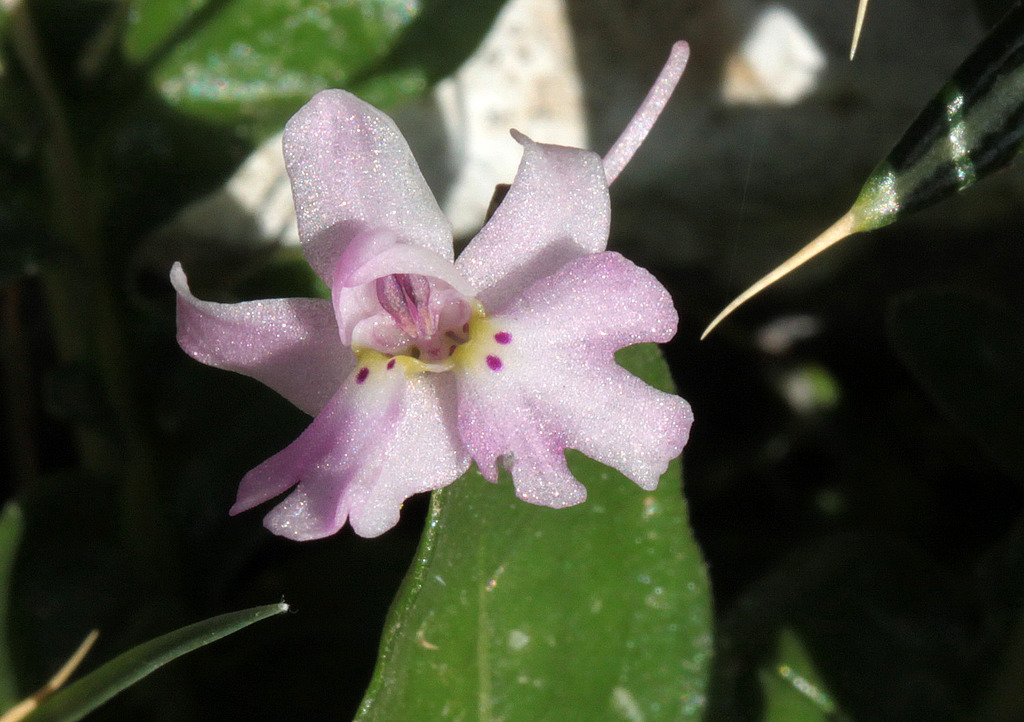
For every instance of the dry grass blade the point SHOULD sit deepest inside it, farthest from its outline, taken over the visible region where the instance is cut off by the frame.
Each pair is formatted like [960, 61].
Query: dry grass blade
[21, 710]
[862, 10]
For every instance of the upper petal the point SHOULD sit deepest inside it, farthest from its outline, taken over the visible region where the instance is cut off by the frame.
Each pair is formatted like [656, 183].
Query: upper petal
[373, 255]
[557, 209]
[380, 440]
[351, 170]
[289, 344]
[549, 381]
[380, 253]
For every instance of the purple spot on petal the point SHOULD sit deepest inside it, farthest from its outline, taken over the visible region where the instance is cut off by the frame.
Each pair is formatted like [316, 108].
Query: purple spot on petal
[391, 364]
[361, 376]
[451, 350]
[494, 363]
[503, 337]
[465, 328]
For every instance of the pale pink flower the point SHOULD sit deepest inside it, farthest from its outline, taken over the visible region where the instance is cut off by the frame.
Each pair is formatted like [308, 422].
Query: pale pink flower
[421, 363]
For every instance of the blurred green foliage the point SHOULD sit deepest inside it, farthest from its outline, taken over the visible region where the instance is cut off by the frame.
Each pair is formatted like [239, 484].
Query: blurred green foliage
[793, 688]
[10, 538]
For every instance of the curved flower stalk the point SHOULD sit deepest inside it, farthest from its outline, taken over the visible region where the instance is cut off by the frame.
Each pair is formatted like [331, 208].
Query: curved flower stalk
[421, 363]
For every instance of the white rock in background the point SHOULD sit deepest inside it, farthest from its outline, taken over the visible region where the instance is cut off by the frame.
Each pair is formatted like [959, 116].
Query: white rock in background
[778, 62]
[256, 200]
[522, 76]
[252, 211]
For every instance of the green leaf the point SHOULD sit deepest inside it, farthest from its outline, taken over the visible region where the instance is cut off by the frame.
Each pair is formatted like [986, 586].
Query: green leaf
[255, 63]
[11, 526]
[793, 688]
[430, 48]
[435, 45]
[518, 612]
[967, 351]
[77, 700]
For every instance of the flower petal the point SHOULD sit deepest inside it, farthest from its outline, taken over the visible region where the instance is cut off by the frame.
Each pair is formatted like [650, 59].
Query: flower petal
[557, 209]
[380, 253]
[548, 381]
[351, 171]
[373, 255]
[289, 344]
[384, 437]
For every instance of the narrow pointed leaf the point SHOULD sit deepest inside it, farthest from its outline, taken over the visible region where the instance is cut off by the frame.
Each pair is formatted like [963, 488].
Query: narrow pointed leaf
[518, 612]
[80, 698]
[972, 127]
[11, 526]
[792, 687]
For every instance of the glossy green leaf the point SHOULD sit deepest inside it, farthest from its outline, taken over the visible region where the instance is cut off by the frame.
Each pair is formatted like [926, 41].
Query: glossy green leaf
[436, 45]
[11, 526]
[430, 48]
[792, 686]
[255, 63]
[973, 126]
[78, 699]
[519, 612]
[967, 351]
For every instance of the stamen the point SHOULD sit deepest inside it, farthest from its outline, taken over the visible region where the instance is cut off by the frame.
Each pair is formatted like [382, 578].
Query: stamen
[405, 296]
